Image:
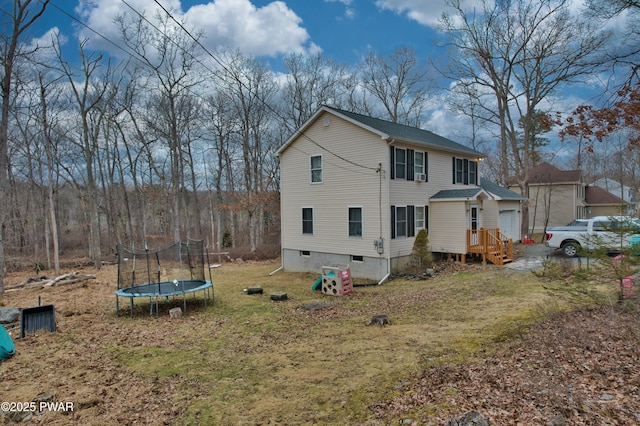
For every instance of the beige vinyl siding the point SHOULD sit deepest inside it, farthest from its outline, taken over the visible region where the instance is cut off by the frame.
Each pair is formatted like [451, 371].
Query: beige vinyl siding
[440, 176]
[564, 204]
[344, 184]
[607, 210]
[489, 213]
[449, 234]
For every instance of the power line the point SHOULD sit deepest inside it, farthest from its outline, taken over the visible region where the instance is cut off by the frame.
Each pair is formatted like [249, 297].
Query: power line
[135, 55]
[269, 107]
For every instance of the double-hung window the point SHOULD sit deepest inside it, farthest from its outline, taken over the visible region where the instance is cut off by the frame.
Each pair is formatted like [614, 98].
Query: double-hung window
[355, 221]
[401, 163]
[403, 222]
[316, 169]
[307, 220]
[408, 163]
[420, 218]
[465, 171]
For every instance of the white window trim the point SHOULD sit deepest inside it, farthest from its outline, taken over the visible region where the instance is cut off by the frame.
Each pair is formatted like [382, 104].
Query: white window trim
[361, 221]
[321, 170]
[415, 168]
[415, 218]
[406, 223]
[313, 214]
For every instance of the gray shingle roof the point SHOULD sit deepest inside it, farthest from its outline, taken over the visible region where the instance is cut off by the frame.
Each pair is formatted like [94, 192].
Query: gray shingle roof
[407, 133]
[447, 194]
[499, 191]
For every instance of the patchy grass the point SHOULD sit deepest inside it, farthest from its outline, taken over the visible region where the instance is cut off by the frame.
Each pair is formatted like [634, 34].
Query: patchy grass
[248, 360]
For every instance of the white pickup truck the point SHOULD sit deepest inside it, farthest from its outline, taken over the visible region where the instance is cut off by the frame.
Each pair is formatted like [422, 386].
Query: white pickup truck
[611, 232]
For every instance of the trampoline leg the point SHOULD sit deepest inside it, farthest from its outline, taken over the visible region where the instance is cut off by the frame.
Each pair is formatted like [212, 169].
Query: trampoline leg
[184, 303]
[131, 307]
[117, 310]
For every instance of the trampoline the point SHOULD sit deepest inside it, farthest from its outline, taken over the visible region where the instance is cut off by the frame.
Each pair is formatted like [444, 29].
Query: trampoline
[167, 273]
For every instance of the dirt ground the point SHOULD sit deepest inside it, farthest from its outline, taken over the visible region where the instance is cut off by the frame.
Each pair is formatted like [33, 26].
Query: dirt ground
[575, 369]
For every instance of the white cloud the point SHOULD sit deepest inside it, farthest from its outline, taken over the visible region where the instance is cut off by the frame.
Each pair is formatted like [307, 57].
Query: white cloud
[428, 12]
[270, 30]
[349, 12]
[425, 12]
[43, 46]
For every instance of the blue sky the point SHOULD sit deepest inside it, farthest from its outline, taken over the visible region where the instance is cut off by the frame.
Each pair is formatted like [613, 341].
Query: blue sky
[343, 30]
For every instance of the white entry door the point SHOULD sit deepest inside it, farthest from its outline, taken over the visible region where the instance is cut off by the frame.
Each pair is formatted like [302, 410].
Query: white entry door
[474, 218]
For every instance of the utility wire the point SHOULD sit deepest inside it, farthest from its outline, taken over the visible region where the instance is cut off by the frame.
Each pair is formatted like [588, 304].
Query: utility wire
[135, 55]
[266, 104]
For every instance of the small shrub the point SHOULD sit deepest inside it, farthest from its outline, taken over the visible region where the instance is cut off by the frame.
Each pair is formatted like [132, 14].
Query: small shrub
[421, 256]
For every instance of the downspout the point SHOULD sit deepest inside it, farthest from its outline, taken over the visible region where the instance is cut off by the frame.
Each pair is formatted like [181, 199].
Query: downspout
[388, 250]
[277, 270]
[281, 245]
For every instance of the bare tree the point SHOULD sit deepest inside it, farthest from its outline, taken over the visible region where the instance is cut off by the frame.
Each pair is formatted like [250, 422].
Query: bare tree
[464, 100]
[518, 54]
[49, 137]
[16, 21]
[625, 53]
[221, 123]
[170, 58]
[250, 87]
[399, 83]
[89, 93]
[312, 81]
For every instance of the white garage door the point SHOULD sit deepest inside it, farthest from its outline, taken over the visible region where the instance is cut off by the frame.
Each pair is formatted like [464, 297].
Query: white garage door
[509, 224]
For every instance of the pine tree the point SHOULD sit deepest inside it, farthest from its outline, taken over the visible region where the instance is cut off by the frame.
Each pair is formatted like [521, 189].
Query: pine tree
[421, 255]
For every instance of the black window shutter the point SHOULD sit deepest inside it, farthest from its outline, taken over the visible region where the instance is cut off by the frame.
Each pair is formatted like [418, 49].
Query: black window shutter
[392, 152]
[476, 174]
[426, 218]
[393, 221]
[411, 223]
[426, 162]
[453, 169]
[466, 172]
[410, 165]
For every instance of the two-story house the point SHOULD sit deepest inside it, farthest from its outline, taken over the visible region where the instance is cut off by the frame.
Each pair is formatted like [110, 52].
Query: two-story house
[355, 190]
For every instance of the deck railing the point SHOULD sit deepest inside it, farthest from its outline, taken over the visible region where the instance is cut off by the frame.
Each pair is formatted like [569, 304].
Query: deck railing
[492, 244]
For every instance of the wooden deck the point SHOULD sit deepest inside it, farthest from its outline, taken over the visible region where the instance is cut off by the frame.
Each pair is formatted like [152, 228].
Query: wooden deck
[491, 244]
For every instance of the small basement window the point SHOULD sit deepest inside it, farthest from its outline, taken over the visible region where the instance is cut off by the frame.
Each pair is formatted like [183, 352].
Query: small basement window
[306, 253]
[357, 258]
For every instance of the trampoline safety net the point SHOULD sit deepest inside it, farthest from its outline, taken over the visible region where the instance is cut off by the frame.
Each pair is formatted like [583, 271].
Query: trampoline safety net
[180, 261]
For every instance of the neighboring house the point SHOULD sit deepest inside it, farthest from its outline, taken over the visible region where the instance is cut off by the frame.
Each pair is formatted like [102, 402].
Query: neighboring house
[626, 193]
[556, 197]
[601, 202]
[355, 190]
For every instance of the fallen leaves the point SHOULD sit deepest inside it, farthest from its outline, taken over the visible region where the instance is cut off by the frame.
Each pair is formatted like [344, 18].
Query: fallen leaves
[579, 366]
